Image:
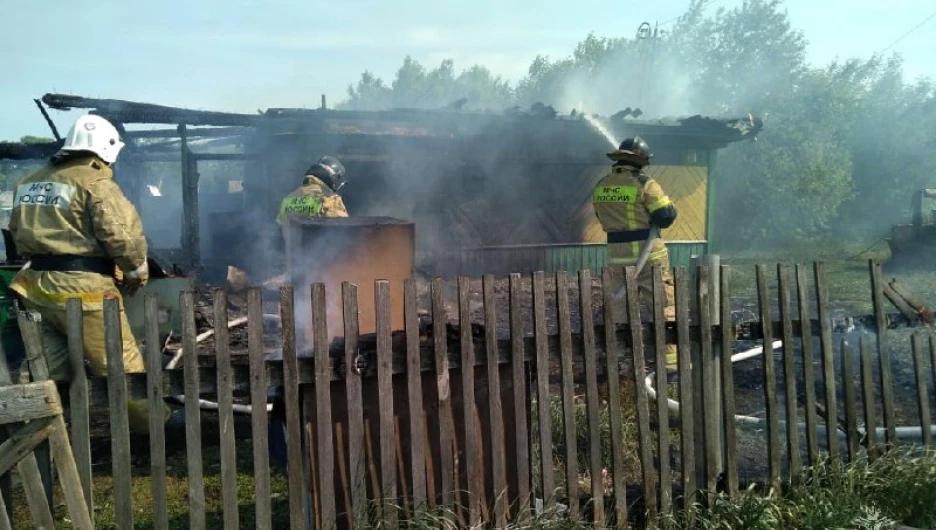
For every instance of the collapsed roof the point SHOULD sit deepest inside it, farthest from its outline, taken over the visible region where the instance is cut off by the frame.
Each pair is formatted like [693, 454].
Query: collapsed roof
[448, 122]
[424, 121]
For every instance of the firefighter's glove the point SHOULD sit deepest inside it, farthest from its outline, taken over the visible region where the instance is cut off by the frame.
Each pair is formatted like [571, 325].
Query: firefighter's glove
[136, 279]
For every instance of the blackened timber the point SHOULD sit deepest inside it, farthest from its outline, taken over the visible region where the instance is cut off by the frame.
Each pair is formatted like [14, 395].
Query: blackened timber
[221, 157]
[211, 132]
[190, 229]
[134, 112]
[45, 114]
[173, 381]
[20, 151]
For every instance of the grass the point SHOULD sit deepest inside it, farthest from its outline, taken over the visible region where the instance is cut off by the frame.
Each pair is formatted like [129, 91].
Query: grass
[899, 487]
[177, 488]
[849, 280]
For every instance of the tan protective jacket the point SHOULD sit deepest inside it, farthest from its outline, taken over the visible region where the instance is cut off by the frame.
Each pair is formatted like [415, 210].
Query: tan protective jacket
[312, 199]
[623, 202]
[74, 207]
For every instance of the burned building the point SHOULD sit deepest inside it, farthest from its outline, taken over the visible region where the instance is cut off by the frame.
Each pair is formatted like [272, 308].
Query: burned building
[488, 193]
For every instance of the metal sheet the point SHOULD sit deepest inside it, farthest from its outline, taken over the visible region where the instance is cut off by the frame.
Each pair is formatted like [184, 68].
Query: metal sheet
[167, 292]
[550, 258]
[360, 250]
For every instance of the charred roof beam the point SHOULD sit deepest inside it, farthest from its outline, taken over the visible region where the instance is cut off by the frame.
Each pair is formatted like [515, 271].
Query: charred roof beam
[133, 112]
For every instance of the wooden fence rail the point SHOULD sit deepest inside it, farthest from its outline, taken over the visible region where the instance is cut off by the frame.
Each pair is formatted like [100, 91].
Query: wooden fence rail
[458, 421]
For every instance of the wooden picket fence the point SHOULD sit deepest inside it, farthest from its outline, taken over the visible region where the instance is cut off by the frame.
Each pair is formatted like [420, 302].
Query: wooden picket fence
[480, 442]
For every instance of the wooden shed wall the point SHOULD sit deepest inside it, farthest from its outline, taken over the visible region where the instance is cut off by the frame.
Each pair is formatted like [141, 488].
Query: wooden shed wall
[685, 185]
[502, 185]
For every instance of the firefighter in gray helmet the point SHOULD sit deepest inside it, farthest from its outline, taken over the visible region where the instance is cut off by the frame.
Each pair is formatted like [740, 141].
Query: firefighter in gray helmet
[628, 203]
[318, 195]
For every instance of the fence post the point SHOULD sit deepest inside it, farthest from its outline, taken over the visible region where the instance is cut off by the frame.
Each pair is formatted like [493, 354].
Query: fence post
[715, 352]
[697, 379]
[721, 352]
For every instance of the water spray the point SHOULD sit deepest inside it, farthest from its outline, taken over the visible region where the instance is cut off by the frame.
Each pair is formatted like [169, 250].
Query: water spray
[600, 127]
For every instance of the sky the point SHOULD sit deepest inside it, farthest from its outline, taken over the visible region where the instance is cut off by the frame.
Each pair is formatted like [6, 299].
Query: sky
[244, 56]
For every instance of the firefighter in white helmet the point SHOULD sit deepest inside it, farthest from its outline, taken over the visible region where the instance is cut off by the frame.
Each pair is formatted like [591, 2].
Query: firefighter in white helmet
[80, 233]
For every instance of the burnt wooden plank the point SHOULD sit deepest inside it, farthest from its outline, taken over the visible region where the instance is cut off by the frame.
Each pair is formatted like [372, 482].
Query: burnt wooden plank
[686, 398]
[663, 426]
[710, 418]
[472, 441]
[496, 430]
[643, 413]
[119, 418]
[828, 359]
[542, 392]
[887, 380]
[353, 390]
[568, 393]
[591, 396]
[414, 394]
[867, 397]
[770, 381]
[259, 417]
[345, 510]
[521, 406]
[809, 376]
[311, 497]
[789, 372]
[924, 405]
[728, 396]
[225, 411]
[79, 401]
[851, 407]
[294, 444]
[173, 380]
[324, 437]
[157, 434]
[614, 399]
[446, 423]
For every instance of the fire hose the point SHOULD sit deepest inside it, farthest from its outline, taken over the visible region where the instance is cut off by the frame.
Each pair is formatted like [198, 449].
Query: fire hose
[641, 259]
[204, 404]
[912, 432]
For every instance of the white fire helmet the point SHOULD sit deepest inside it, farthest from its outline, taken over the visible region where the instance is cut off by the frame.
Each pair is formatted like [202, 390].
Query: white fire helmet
[95, 134]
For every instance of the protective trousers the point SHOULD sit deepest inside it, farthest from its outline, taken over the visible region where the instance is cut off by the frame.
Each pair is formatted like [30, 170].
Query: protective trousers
[55, 347]
[645, 290]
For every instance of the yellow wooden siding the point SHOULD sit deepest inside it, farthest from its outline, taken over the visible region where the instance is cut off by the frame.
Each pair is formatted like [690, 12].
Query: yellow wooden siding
[685, 185]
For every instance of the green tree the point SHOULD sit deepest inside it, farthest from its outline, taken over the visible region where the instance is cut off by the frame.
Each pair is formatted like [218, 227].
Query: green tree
[369, 94]
[844, 145]
[416, 87]
[893, 145]
[30, 139]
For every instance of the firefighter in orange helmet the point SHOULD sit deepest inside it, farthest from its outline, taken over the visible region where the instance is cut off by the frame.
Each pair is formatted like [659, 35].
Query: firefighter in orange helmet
[628, 204]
